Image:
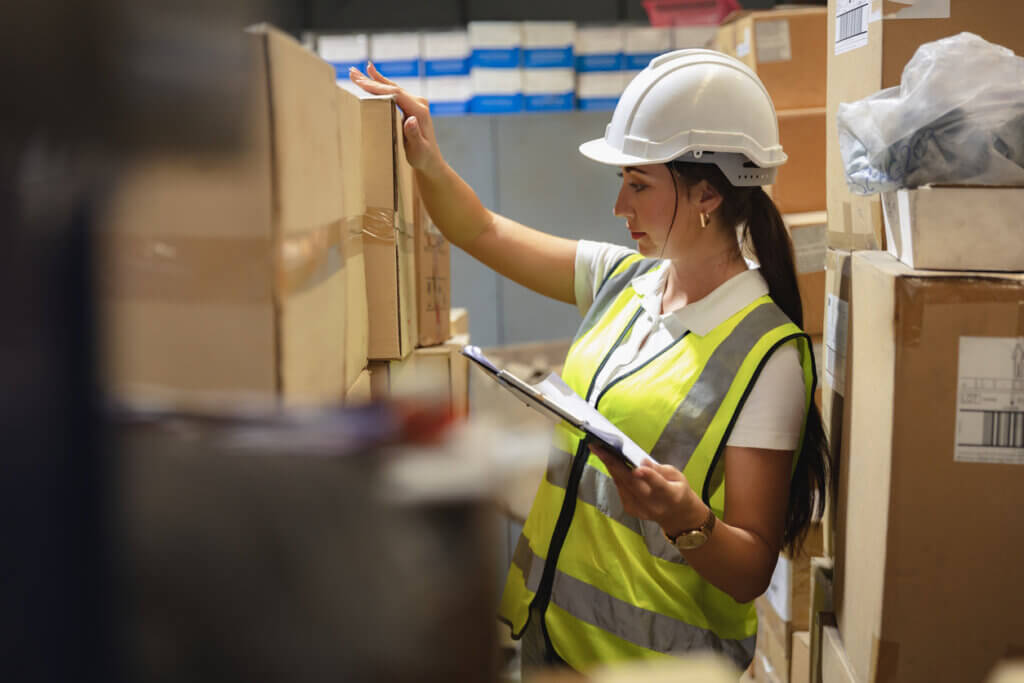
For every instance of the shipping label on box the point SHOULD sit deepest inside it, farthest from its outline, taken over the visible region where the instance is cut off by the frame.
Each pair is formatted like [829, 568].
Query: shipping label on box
[990, 400]
[851, 24]
[837, 323]
[772, 41]
[433, 280]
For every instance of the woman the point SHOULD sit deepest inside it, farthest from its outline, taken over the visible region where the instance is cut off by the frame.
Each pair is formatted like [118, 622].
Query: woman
[697, 357]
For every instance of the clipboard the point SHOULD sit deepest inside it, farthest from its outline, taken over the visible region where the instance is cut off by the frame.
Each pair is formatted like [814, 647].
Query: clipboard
[531, 396]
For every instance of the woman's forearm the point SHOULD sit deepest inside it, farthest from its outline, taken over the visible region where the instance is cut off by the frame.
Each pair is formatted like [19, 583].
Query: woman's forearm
[453, 206]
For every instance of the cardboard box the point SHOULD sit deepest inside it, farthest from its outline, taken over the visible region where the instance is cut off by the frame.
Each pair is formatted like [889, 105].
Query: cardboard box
[800, 184]
[956, 227]
[353, 202]
[785, 606]
[388, 231]
[459, 321]
[835, 665]
[725, 39]
[875, 41]
[800, 658]
[771, 655]
[223, 279]
[439, 371]
[787, 49]
[836, 386]
[433, 280]
[821, 609]
[359, 393]
[928, 593]
[807, 231]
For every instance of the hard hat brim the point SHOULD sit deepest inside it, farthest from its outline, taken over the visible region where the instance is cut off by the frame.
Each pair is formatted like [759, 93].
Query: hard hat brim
[600, 151]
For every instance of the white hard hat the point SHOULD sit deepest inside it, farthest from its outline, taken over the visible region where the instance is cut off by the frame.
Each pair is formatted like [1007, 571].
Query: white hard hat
[699, 106]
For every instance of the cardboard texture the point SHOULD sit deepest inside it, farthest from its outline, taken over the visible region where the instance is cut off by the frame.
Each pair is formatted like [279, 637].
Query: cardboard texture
[821, 610]
[800, 658]
[388, 231]
[800, 184]
[223, 278]
[359, 393]
[835, 665]
[785, 607]
[956, 227]
[771, 655]
[933, 334]
[433, 280]
[836, 367]
[786, 48]
[441, 371]
[353, 200]
[856, 222]
[458, 321]
[807, 231]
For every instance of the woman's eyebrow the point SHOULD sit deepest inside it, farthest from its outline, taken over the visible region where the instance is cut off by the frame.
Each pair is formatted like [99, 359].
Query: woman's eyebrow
[634, 169]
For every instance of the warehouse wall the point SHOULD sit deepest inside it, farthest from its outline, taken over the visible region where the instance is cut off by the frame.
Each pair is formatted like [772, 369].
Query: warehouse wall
[527, 167]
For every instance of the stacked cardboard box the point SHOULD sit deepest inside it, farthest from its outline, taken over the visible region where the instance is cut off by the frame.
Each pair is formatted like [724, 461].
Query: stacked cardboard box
[784, 610]
[878, 313]
[936, 441]
[786, 48]
[224, 279]
[873, 43]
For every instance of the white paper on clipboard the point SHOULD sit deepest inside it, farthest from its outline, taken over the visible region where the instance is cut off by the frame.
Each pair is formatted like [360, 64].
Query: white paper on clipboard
[553, 398]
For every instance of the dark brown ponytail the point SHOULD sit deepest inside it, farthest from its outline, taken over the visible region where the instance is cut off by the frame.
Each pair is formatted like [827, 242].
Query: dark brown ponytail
[764, 235]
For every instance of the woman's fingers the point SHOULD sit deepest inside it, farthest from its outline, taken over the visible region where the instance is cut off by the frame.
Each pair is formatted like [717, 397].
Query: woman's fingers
[410, 106]
[371, 71]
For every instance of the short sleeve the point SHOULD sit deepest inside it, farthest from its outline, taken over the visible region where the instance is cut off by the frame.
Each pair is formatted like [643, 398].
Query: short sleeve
[594, 261]
[772, 416]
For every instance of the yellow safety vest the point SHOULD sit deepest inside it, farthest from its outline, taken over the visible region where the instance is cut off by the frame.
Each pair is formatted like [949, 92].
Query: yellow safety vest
[610, 586]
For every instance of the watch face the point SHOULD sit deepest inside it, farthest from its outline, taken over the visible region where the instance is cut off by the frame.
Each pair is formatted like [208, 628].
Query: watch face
[691, 540]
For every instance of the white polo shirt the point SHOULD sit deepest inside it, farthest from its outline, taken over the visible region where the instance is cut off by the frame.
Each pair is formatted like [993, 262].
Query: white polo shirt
[772, 415]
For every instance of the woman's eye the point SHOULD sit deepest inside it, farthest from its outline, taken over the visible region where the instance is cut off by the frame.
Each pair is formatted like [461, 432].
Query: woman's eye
[637, 187]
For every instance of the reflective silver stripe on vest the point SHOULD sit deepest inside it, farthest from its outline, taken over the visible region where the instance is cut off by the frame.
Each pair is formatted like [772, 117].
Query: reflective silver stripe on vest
[692, 418]
[609, 292]
[633, 624]
[598, 489]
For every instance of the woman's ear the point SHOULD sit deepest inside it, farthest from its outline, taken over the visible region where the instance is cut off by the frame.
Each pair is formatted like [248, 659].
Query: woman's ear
[707, 197]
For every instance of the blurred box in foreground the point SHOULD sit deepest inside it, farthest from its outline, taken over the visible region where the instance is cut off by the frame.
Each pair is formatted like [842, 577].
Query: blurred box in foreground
[224, 279]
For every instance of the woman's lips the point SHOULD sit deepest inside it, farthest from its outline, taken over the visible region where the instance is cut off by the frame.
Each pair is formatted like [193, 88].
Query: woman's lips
[636, 235]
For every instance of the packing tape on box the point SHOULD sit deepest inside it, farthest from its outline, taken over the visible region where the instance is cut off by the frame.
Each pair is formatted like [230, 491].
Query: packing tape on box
[382, 224]
[189, 268]
[307, 259]
[353, 225]
[916, 299]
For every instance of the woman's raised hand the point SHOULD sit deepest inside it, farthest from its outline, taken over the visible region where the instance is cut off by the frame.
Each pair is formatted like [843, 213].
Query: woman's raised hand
[421, 147]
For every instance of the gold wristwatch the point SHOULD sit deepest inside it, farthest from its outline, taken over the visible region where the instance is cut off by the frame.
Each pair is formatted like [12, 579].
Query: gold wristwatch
[693, 538]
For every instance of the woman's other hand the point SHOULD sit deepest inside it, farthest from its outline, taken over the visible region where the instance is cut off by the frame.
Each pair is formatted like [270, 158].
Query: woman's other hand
[421, 148]
[656, 492]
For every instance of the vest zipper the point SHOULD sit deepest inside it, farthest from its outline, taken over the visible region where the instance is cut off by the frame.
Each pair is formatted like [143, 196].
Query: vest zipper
[568, 511]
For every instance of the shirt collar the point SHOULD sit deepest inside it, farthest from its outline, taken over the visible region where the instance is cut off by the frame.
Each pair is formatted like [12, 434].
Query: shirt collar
[703, 315]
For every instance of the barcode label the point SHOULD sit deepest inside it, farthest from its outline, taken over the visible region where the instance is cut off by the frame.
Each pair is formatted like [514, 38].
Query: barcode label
[990, 400]
[851, 24]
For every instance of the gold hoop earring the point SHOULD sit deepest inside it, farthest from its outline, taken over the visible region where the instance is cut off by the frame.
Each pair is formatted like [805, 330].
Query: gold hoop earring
[704, 220]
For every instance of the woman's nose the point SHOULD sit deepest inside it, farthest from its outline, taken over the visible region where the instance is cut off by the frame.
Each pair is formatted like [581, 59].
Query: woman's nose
[622, 208]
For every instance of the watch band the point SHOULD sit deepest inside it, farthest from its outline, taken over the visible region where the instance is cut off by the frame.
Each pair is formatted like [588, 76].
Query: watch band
[706, 527]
